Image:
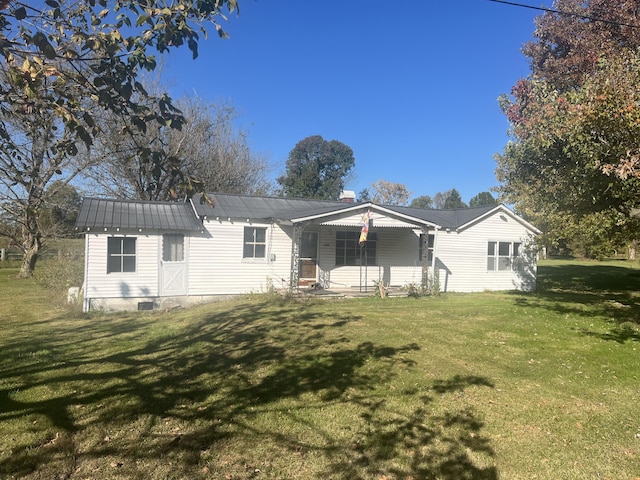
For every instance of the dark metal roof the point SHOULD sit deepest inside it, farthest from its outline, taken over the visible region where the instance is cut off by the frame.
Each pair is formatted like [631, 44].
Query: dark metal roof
[454, 218]
[264, 208]
[100, 213]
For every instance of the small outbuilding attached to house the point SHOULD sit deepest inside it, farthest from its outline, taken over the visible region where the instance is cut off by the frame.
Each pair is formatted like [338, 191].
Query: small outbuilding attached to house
[151, 255]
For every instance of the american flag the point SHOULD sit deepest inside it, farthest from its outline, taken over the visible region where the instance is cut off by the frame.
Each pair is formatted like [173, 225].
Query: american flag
[365, 228]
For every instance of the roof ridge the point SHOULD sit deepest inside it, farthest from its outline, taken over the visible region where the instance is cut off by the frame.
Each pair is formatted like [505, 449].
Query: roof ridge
[273, 197]
[129, 200]
[448, 209]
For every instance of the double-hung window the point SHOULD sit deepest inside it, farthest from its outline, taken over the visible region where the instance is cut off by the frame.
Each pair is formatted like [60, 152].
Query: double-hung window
[503, 256]
[349, 252]
[121, 254]
[431, 240]
[255, 242]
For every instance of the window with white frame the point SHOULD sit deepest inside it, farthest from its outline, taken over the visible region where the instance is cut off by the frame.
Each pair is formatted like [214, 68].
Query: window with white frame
[255, 242]
[173, 247]
[503, 256]
[121, 254]
[349, 252]
[431, 240]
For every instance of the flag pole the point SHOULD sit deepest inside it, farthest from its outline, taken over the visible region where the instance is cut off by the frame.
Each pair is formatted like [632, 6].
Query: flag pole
[362, 241]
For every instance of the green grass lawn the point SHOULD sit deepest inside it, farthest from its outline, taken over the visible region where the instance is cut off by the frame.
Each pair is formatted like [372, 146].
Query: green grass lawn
[476, 386]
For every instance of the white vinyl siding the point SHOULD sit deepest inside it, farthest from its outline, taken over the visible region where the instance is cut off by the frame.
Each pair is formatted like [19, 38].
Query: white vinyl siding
[217, 265]
[463, 257]
[141, 283]
[378, 219]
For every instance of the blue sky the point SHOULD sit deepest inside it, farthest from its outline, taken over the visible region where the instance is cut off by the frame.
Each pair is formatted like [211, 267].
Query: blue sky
[411, 87]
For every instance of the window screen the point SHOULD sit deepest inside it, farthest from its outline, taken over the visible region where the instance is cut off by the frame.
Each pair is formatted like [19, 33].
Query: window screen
[173, 248]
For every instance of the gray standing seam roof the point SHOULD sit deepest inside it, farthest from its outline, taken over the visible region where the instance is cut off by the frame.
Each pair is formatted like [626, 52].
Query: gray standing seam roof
[100, 213]
[256, 207]
[446, 218]
[264, 208]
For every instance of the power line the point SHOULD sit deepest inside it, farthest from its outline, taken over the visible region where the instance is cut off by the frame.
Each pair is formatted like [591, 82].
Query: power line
[568, 14]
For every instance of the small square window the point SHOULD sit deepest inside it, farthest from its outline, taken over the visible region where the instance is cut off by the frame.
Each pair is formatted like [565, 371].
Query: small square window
[255, 242]
[121, 254]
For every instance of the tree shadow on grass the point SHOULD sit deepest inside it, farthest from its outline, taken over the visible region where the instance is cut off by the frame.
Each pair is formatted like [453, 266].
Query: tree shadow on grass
[126, 396]
[445, 445]
[604, 290]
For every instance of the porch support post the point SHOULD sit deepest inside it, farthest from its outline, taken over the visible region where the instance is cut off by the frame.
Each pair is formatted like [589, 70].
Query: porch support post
[436, 232]
[425, 257]
[295, 255]
[435, 273]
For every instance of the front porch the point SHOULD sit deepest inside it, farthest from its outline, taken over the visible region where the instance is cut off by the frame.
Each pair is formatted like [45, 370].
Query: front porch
[329, 254]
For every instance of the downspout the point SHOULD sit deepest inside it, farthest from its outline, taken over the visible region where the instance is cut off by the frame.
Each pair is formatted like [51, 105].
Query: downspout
[85, 300]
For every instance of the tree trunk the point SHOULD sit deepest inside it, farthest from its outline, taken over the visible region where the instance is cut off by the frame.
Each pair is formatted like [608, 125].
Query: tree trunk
[633, 248]
[30, 248]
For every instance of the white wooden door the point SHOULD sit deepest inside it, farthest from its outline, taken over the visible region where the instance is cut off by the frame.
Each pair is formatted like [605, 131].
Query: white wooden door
[173, 265]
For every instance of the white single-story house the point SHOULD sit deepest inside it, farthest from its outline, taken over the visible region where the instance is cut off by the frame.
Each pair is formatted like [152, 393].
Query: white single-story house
[148, 255]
